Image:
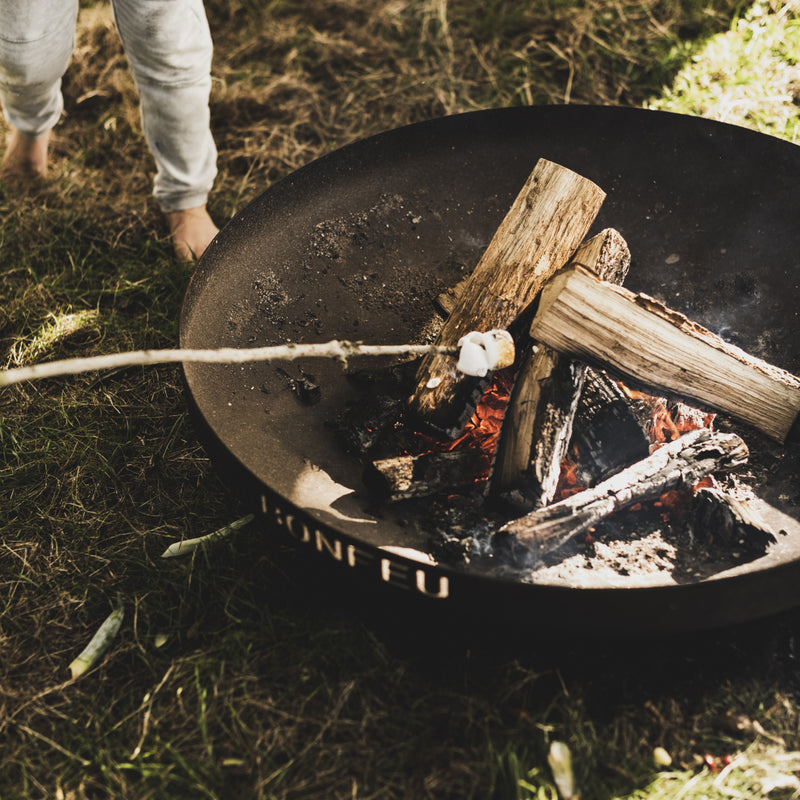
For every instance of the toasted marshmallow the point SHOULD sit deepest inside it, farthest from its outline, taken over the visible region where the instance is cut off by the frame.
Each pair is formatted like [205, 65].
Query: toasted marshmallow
[480, 353]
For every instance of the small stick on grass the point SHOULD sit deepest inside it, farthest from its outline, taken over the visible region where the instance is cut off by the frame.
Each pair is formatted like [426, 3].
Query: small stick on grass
[183, 548]
[99, 643]
[559, 759]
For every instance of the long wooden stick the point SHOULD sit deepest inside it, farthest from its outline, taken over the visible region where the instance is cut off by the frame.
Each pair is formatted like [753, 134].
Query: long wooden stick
[341, 350]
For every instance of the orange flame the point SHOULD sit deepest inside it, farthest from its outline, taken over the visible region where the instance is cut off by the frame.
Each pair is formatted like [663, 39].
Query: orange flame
[483, 429]
[568, 481]
[482, 432]
[669, 420]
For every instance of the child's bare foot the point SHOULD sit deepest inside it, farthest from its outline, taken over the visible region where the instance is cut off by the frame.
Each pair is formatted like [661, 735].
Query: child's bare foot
[191, 231]
[25, 158]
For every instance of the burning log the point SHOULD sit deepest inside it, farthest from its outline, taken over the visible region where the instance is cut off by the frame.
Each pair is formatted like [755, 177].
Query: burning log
[638, 337]
[607, 435]
[547, 221]
[430, 466]
[545, 396]
[537, 428]
[680, 463]
[362, 425]
[404, 477]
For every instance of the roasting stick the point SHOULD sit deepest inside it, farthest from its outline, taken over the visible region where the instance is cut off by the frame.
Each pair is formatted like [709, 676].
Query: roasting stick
[478, 352]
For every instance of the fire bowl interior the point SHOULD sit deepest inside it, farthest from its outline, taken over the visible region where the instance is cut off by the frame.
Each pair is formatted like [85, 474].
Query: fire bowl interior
[357, 246]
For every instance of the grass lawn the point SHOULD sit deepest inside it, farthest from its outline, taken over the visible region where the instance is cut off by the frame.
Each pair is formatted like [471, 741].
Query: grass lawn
[234, 673]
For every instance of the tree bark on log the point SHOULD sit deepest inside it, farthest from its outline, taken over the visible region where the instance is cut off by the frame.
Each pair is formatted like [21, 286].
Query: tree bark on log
[680, 463]
[538, 422]
[638, 337]
[544, 226]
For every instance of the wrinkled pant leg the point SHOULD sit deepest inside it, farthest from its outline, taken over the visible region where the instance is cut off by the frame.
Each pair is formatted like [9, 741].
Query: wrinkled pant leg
[169, 48]
[37, 38]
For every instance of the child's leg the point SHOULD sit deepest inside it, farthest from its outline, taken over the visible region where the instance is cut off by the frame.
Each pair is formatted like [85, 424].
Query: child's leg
[36, 42]
[169, 48]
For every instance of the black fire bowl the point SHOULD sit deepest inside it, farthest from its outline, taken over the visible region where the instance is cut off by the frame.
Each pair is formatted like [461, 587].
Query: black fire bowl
[358, 244]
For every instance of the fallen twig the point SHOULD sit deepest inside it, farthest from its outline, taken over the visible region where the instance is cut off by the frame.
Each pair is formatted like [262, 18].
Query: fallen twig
[98, 644]
[560, 760]
[187, 546]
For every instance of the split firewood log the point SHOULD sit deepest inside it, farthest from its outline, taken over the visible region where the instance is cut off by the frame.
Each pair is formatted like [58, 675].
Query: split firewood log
[639, 338]
[538, 423]
[544, 226]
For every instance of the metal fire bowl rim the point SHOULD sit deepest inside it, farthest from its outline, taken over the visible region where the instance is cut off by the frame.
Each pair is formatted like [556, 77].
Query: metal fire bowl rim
[669, 178]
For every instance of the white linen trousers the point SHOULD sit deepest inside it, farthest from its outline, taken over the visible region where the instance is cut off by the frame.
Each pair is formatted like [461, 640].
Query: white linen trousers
[169, 49]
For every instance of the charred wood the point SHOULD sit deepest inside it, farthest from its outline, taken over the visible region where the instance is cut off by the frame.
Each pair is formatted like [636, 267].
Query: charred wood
[404, 477]
[637, 337]
[304, 387]
[681, 463]
[381, 393]
[607, 435]
[538, 423]
[544, 226]
[362, 426]
[719, 517]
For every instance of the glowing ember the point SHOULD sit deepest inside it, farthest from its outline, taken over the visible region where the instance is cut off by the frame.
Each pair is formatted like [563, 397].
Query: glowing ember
[483, 429]
[669, 420]
[482, 432]
[672, 504]
[568, 481]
